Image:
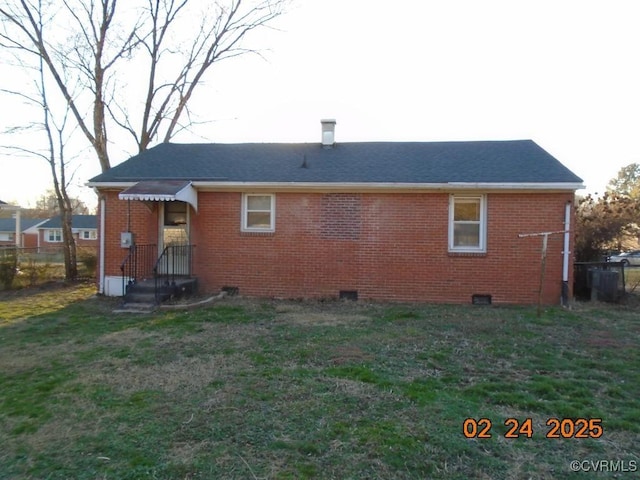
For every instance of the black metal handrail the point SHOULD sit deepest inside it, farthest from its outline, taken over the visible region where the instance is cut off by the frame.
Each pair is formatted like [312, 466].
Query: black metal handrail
[137, 265]
[174, 261]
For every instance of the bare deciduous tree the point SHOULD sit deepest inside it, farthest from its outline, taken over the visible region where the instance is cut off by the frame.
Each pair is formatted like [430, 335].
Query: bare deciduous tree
[218, 36]
[85, 44]
[53, 152]
[79, 58]
[47, 206]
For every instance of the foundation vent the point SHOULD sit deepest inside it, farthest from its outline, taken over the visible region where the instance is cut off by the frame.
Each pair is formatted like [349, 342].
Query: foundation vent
[348, 295]
[480, 299]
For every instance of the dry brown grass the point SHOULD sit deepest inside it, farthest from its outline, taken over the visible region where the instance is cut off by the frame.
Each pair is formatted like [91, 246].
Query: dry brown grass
[277, 389]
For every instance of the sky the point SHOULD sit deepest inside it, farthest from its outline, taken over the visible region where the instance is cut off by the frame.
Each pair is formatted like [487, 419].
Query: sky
[564, 73]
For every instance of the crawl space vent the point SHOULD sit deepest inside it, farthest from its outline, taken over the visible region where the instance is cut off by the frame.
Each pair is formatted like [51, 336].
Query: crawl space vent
[348, 295]
[480, 299]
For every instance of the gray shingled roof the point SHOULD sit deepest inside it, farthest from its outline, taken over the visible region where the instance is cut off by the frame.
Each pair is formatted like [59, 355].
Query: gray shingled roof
[77, 222]
[517, 161]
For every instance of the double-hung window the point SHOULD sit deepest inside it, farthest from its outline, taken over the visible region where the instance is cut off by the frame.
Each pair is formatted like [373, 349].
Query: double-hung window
[258, 212]
[468, 223]
[53, 235]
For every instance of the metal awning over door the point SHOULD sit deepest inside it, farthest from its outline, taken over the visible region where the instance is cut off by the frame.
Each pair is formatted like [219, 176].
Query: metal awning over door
[162, 191]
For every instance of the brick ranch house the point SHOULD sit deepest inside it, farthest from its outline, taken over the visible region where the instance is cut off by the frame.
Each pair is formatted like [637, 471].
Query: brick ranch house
[83, 227]
[28, 236]
[405, 221]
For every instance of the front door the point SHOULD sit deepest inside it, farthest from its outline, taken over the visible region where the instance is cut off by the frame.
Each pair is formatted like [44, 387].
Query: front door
[175, 239]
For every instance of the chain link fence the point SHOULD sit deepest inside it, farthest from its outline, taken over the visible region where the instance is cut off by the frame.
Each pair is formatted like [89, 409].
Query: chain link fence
[605, 281]
[25, 267]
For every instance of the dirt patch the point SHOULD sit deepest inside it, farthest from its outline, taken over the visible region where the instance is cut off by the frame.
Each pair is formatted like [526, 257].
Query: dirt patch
[17, 360]
[349, 354]
[221, 398]
[34, 290]
[84, 419]
[321, 319]
[356, 389]
[187, 452]
[126, 338]
[603, 338]
[184, 374]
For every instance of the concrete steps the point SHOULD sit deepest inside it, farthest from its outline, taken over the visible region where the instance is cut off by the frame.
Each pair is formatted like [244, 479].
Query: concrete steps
[142, 295]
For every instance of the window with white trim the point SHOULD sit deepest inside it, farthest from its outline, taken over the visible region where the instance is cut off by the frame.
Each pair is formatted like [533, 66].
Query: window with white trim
[468, 223]
[88, 235]
[53, 235]
[258, 212]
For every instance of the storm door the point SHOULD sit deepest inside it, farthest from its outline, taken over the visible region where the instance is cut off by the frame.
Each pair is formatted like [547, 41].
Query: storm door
[174, 238]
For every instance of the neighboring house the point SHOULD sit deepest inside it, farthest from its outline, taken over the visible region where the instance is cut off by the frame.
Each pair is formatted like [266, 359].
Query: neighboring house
[11, 238]
[83, 227]
[28, 226]
[427, 222]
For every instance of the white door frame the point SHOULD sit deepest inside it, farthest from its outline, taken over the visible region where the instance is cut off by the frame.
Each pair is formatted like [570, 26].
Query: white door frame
[162, 228]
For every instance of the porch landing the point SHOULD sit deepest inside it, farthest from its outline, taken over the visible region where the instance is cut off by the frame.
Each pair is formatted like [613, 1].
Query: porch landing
[144, 294]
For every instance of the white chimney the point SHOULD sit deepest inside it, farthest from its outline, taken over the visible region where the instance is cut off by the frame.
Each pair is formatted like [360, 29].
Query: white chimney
[328, 132]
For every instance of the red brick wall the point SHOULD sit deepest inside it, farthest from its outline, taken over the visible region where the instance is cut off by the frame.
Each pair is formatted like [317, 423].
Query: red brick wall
[141, 218]
[398, 251]
[30, 240]
[387, 246]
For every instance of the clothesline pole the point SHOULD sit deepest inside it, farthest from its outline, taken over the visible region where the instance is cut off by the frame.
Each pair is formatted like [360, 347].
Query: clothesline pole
[543, 260]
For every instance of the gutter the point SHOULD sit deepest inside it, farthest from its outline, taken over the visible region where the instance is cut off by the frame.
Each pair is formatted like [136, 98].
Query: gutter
[218, 185]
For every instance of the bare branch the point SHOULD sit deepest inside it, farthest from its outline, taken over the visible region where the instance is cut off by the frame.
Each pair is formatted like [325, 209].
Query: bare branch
[85, 65]
[223, 41]
[33, 29]
[22, 95]
[27, 151]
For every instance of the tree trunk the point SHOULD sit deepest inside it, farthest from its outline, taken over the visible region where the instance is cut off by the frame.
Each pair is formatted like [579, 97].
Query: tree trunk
[69, 247]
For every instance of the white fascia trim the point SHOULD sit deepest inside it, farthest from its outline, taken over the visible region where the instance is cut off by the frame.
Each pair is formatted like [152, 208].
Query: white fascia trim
[351, 186]
[517, 186]
[362, 186]
[99, 185]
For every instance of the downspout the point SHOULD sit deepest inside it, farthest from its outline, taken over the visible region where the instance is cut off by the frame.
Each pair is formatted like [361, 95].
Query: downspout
[565, 255]
[102, 244]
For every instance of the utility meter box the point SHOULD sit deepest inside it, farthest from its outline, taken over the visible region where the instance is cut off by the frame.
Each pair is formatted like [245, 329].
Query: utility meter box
[126, 239]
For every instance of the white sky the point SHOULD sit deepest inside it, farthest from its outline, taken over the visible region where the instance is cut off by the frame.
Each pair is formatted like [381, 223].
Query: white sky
[565, 73]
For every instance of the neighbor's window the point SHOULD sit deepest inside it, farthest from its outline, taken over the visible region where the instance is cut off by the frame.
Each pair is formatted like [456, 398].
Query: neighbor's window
[467, 223]
[258, 212]
[53, 235]
[89, 235]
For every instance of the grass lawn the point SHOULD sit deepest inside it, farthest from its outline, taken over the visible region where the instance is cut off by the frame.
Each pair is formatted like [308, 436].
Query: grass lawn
[285, 390]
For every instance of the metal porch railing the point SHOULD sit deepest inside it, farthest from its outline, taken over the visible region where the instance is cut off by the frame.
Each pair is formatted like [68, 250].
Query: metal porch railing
[138, 265]
[176, 261]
